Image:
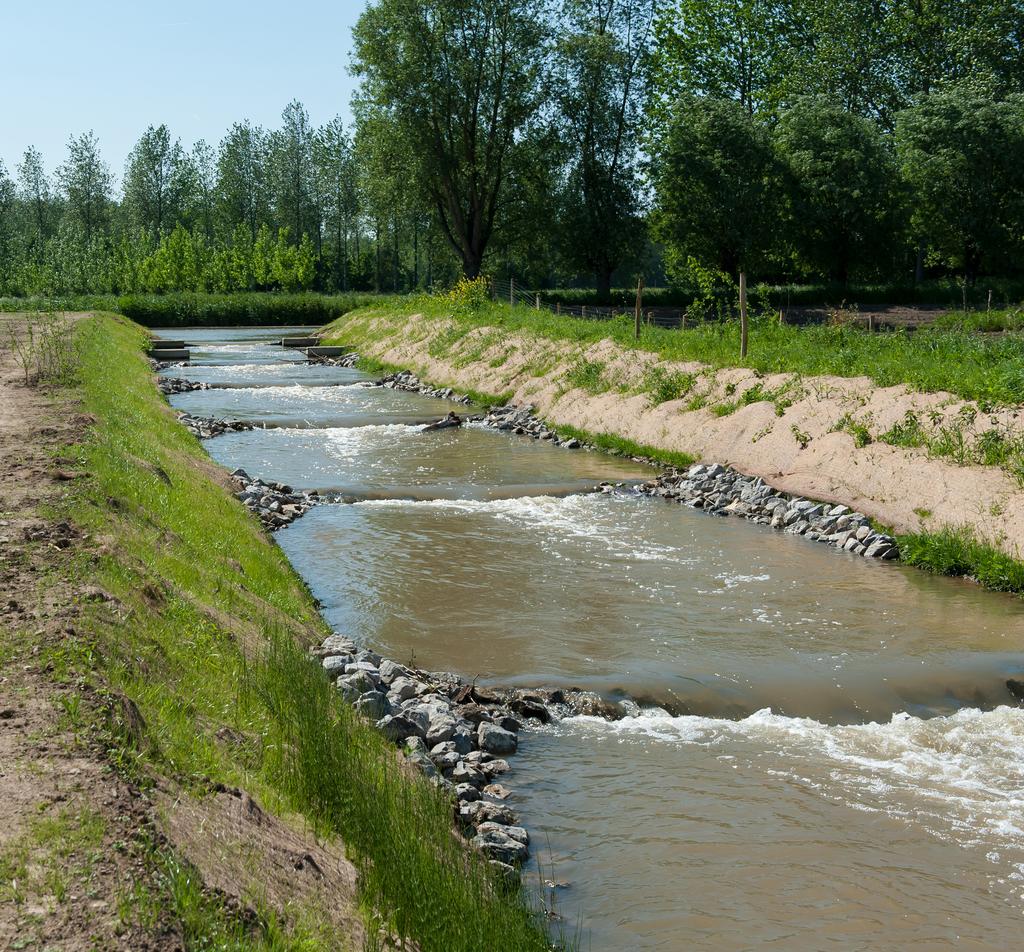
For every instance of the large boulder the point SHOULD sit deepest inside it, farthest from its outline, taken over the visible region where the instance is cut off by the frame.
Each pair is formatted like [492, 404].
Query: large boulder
[496, 740]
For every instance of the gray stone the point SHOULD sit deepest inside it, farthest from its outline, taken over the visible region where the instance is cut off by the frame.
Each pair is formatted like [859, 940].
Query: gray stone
[862, 533]
[463, 740]
[496, 740]
[397, 728]
[401, 687]
[516, 832]
[441, 728]
[334, 665]
[390, 671]
[464, 773]
[414, 744]
[352, 686]
[500, 846]
[466, 792]
[373, 705]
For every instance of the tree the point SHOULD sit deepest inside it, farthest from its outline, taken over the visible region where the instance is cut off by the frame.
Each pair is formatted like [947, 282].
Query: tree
[336, 175]
[241, 178]
[35, 195]
[157, 182]
[462, 80]
[601, 59]
[959, 150]
[740, 50]
[7, 230]
[85, 183]
[202, 165]
[843, 201]
[717, 184]
[291, 163]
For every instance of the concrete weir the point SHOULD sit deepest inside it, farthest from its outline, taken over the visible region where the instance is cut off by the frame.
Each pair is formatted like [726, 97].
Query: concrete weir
[170, 353]
[325, 351]
[299, 341]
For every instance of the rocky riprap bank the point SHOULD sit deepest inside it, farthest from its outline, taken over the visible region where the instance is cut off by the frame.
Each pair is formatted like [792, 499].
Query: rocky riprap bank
[207, 427]
[170, 385]
[276, 504]
[455, 733]
[410, 383]
[721, 491]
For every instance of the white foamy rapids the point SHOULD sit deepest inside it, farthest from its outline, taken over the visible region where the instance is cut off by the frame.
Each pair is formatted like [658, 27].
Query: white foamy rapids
[959, 776]
[586, 517]
[301, 393]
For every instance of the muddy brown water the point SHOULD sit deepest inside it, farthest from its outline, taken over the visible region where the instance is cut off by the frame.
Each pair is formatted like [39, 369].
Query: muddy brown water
[825, 755]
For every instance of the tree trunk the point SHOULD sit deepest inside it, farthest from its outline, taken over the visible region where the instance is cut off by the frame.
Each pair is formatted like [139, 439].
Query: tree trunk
[919, 263]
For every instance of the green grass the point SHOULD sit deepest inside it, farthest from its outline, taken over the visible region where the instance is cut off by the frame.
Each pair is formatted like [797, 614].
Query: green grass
[987, 368]
[620, 446]
[207, 310]
[218, 623]
[957, 552]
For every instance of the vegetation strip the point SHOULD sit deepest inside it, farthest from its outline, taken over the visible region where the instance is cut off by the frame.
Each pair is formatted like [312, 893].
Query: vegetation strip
[215, 661]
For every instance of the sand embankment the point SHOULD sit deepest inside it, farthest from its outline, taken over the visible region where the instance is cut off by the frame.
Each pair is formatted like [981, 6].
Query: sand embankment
[800, 441]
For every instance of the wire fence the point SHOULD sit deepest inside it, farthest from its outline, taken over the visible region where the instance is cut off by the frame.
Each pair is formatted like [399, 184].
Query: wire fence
[509, 292]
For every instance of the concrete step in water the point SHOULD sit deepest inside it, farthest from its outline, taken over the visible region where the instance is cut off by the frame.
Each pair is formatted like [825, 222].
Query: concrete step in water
[158, 343]
[326, 351]
[299, 341]
[170, 353]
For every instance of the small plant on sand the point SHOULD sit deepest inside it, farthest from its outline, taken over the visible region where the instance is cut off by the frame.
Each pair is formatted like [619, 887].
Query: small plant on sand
[662, 385]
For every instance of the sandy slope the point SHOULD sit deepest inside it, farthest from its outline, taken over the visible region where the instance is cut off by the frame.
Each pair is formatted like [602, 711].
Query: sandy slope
[798, 451]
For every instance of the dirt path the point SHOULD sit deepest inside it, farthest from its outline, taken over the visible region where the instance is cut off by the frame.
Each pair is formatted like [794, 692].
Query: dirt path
[68, 826]
[80, 847]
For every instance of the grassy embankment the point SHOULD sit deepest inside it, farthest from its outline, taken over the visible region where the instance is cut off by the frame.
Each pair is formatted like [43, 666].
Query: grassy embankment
[210, 633]
[952, 357]
[207, 310]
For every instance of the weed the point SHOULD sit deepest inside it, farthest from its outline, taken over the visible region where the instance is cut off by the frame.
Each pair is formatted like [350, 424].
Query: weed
[801, 436]
[587, 375]
[858, 430]
[661, 385]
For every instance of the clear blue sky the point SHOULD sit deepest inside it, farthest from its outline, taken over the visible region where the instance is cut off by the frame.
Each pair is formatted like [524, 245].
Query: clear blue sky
[115, 67]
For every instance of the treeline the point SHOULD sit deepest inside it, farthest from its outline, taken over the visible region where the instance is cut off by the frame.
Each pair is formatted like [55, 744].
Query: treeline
[876, 140]
[294, 208]
[576, 142]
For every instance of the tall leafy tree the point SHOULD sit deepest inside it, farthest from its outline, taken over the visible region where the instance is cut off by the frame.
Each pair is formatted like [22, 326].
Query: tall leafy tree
[7, 228]
[462, 80]
[335, 172]
[601, 65]
[36, 197]
[291, 163]
[202, 165]
[718, 185]
[959, 151]
[157, 181]
[242, 190]
[85, 184]
[843, 201]
[741, 50]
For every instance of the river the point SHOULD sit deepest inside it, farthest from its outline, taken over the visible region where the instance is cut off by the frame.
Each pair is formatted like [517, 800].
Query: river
[826, 756]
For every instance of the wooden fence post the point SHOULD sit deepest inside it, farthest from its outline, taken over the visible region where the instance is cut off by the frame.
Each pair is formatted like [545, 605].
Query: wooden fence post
[744, 326]
[536, 302]
[511, 290]
[558, 308]
[583, 311]
[639, 306]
